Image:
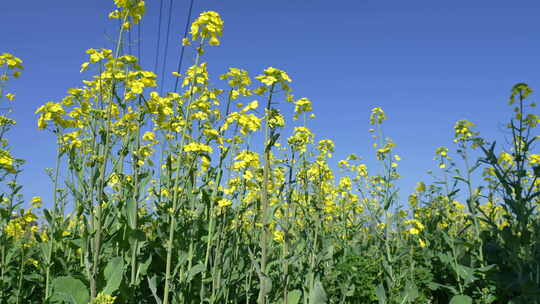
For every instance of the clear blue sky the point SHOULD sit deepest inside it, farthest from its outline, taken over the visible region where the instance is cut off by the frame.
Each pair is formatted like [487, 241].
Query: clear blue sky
[426, 63]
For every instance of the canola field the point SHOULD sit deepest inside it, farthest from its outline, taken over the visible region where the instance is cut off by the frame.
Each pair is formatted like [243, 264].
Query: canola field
[200, 195]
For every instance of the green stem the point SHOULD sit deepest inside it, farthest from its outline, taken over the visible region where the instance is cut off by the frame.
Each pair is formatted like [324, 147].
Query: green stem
[52, 224]
[21, 270]
[172, 216]
[264, 210]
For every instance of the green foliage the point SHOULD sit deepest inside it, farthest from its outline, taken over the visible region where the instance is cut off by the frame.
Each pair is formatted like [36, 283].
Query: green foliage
[164, 198]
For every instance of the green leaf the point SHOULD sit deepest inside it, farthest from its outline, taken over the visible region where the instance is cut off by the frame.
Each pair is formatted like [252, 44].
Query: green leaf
[459, 178]
[69, 290]
[411, 291]
[475, 166]
[131, 213]
[152, 285]
[466, 273]
[45, 247]
[195, 270]
[113, 275]
[485, 268]
[381, 294]
[143, 268]
[445, 258]
[461, 299]
[317, 295]
[293, 297]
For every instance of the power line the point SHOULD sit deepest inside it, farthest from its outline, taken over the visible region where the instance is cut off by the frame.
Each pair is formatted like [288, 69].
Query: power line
[129, 42]
[139, 42]
[183, 46]
[166, 47]
[159, 36]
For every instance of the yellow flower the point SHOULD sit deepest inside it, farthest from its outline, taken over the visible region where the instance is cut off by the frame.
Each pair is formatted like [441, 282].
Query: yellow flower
[224, 202]
[463, 131]
[246, 159]
[52, 111]
[6, 161]
[345, 183]
[103, 298]
[10, 96]
[12, 62]
[302, 105]
[149, 136]
[36, 202]
[197, 147]
[506, 159]
[413, 230]
[239, 80]
[113, 179]
[275, 119]
[534, 159]
[33, 262]
[326, 147]
[458, 205]
[362, 170]
[377, 116]
[251, 106]
[442, 152]
[205, 163]
[128, 8]
[164, 192]
[300, 139]
[279, 236]
[343, 164]
[248, 174]
[385, 150]
[420, 187]
[416, 228]
[207, 25]
[272, 75]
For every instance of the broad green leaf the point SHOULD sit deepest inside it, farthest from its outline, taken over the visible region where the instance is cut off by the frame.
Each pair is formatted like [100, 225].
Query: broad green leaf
[45, 248]
[153, 289]
[485, 268]
[195, 270]
[411, 291]
[466, 273]
[69, 290]
[461, 299]
[317, 295]
[143, 268]
[131, 211]
[381, 294]
[293, 297]
[113, 275]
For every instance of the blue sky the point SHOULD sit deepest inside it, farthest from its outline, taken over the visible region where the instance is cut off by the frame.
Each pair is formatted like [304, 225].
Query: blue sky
[426, 63]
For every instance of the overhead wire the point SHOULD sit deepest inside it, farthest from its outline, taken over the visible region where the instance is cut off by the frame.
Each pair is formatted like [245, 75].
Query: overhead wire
[139, 42]
[158, 36]
[130, 41]
[179, 68]
[167, 38]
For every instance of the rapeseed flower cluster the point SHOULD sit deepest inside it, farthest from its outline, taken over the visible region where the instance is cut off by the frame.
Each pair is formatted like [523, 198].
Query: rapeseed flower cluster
[208, 25]
[197, 148]
[272, 76]
[301, 137]
[103, 298]
[463, 131]
[133, 9]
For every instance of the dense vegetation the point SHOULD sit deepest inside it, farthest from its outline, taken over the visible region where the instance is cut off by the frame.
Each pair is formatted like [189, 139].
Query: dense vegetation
[200, 196]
